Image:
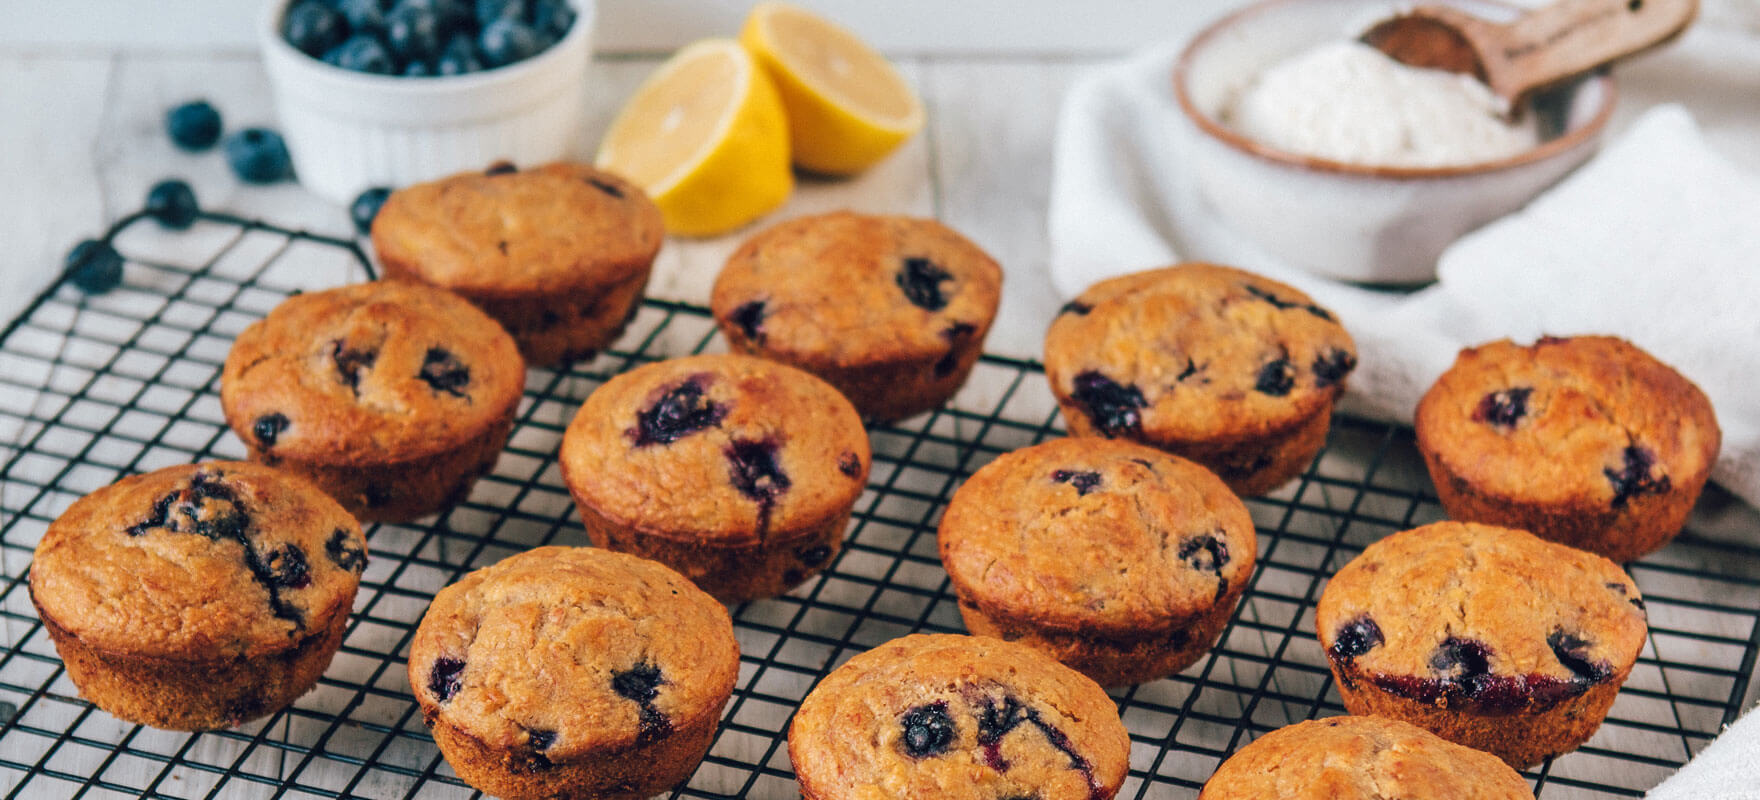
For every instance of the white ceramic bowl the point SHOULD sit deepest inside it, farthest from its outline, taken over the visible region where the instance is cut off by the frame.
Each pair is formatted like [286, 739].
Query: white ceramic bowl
[1382, 225]
[348, 131]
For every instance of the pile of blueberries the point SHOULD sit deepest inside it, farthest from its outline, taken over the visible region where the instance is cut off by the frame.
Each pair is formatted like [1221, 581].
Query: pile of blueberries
[425, 38]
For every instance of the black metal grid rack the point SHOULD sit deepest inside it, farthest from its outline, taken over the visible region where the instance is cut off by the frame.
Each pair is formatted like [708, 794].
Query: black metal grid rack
[94, 388]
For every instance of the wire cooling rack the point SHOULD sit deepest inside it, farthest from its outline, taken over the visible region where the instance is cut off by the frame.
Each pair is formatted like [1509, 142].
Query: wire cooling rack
[96, 388]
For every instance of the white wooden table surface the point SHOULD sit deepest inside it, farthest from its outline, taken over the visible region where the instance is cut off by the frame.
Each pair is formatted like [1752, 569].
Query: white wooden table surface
[81, 140]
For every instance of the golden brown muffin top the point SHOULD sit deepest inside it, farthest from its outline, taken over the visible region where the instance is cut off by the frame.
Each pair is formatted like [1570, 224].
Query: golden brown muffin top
[1196, 352]
[372, 373]
[1489, 617]
[1093, 534]
[847, 289]
[721, 449]
[1361, 758]
[557, 227]
[947, 716]
[1587, 419]
[199, 562]
[558, 652]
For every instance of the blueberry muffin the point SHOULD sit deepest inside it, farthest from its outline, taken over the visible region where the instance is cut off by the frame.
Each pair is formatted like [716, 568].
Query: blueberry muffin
[1228, 369]
[392, 396]
[738, 472]
[573, 672]
[957, 718]
[559, 255]
[1486, 636]
[1588, 441]
[1361, 758]
[199, 596]
[890, 310]
[1117, 559]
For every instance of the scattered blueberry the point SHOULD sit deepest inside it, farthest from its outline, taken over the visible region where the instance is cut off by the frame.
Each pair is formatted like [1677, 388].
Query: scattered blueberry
[258, 155]
[365, 208]
[459, 56]
[750, 319]
[268, 428]
[344, 553]
[363, 52]
[506, 40]
[173, 204]
[1635, 477]
[681, 411]
[1357, 637]
[193, 126]
[921, 281]
[362, 16]
[928, 730]
[1503, 408]
[1084, 482]
[1332, 367]
[1276, 378]
[313, 27]
[1112, 407]
[94, 266]
[445, 677]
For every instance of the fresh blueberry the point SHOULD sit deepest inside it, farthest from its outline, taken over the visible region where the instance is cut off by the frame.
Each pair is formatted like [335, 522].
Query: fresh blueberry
[921, 280]
[193, 126]
[459, 56]
[446, 677]
[552, 18]
[363, 16]
[94, 266]
[313, 27]
[173, 204]
[444, 372]
[363, 52]
[680, 412]
[412, 29]
[1357, 637]
[365, 208]
[258, 155]
[505, 41]
[928, 730]
[487, 11]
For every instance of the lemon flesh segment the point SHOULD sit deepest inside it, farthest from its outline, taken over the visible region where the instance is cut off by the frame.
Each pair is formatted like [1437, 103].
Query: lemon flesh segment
[706, 137]
[848, 107]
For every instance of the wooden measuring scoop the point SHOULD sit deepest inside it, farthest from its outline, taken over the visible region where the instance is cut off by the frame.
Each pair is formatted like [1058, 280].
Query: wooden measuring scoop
[1542, 47]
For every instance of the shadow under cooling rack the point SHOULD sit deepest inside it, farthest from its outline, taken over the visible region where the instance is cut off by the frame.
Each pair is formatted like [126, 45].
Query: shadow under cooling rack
[96, 388]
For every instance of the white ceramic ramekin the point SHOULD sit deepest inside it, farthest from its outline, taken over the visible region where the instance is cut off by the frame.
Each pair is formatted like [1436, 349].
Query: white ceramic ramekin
[1382, 225]
[348, 131]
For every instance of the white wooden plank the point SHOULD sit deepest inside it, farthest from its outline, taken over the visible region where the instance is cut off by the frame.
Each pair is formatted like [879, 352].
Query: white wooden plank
[52, 107]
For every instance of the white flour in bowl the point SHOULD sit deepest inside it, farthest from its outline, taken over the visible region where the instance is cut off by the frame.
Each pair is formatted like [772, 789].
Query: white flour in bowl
[1346, 101]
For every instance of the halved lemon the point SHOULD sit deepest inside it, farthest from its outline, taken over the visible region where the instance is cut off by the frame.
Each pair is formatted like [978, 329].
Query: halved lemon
[706, 137]
[847, 106]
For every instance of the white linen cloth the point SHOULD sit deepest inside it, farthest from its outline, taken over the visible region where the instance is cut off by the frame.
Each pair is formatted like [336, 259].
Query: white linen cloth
[1656, 239]
[1727, 769]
